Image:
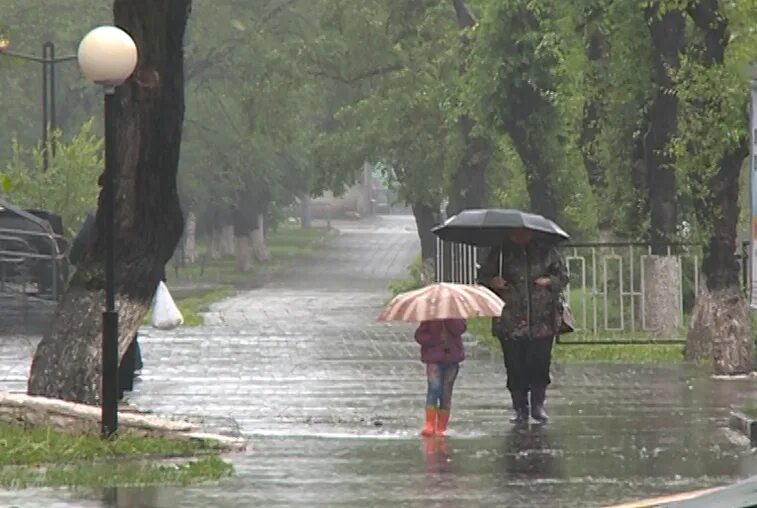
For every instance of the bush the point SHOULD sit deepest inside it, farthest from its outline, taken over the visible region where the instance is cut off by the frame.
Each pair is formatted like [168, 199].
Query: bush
[421, 274]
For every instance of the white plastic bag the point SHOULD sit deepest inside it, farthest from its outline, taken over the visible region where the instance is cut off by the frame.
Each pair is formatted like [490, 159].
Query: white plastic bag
[165, 313]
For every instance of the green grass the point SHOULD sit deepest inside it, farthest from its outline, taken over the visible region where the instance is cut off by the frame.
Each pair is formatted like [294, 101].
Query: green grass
[193, 305]
[631, 353]
[750, 411]
[130, 473]
[45, 457]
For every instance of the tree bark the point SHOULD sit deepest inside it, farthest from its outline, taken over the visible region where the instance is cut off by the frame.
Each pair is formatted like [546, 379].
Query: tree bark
[426, 217]
[259, 247]
[244, 252]
[190, 239]
[720, 329]
[468, 189]
[536, 144]
[668, 33]
[594, 108]
[148, 220]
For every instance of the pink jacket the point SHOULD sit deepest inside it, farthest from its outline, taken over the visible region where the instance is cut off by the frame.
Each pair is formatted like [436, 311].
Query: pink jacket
[434, 347]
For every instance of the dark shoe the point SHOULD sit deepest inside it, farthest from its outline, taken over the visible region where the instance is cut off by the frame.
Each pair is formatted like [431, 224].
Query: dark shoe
[520, 405]
[538, 395]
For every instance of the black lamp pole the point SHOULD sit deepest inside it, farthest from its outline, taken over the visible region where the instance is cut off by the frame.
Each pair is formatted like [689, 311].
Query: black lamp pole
[48, 61]
[110, 315]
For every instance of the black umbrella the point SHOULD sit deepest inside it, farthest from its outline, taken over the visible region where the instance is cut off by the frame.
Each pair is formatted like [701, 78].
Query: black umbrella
[487, 227]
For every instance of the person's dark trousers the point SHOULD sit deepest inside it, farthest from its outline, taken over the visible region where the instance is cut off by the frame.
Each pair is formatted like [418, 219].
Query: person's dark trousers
[527, 363]
[127, 367]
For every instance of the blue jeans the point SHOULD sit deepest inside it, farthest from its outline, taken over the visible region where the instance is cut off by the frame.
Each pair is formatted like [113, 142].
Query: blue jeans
[441, 380]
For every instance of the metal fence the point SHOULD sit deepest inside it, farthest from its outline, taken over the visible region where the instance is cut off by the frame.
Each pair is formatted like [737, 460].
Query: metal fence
[606, 293]
[32, 262]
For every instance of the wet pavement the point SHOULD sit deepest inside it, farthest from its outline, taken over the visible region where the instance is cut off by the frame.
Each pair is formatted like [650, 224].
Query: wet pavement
[332, 402]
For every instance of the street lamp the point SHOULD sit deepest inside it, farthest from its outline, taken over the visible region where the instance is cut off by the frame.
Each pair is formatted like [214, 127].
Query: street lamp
[108, 56]
[48, 62]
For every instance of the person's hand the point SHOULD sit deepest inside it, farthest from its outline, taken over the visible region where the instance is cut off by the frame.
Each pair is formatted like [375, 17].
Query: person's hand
[498, 282]
[543, 282]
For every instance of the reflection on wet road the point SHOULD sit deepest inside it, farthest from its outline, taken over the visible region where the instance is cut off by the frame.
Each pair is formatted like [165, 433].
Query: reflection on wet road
[332, 402]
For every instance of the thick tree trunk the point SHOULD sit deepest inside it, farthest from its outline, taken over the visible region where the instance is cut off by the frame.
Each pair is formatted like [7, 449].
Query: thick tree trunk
[248, 223]
[719, 332]
[149, 110]
[468, 188]
[539, 150]
[668, 33]
[426, 217]
[720, 329]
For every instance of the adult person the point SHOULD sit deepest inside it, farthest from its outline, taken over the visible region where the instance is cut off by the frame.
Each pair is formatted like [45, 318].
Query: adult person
[131, 362]
[529, 274]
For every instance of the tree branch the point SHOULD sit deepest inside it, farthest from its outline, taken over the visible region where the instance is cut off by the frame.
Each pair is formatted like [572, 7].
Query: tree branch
[465, 17]
[380, 71]
[276, 11]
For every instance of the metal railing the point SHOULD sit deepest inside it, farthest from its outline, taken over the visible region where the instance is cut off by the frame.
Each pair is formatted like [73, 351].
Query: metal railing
[607, 291]
[18, 254]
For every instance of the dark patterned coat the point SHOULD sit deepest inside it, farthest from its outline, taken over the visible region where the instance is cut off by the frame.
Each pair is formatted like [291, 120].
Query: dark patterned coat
[530, 311]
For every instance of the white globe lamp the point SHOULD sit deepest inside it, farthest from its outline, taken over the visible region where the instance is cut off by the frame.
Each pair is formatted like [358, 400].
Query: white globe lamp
[107, 56]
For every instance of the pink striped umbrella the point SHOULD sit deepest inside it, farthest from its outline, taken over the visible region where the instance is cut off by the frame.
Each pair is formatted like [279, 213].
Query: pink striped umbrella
[443, 301]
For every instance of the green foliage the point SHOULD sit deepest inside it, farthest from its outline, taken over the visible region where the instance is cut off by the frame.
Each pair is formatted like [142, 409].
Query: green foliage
[420, 276]
[69, 186]
[290, 98]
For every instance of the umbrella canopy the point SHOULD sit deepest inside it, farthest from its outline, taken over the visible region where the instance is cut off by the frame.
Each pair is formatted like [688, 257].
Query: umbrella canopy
[487, 227]
[443, 301]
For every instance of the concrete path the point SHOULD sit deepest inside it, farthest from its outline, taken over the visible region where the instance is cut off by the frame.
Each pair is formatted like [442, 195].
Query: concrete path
[332, 402]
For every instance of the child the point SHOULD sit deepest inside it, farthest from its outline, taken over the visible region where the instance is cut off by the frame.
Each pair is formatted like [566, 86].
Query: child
[442, 351]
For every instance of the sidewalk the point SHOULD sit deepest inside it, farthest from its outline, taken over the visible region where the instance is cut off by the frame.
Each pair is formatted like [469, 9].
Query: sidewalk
[332, 401]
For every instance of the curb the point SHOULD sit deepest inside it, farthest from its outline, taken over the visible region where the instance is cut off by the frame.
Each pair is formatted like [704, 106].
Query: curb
[744, 424]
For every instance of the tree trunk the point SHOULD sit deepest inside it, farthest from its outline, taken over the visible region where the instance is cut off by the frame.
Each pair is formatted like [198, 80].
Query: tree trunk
[215, 243]
[468, 188]
[244, 252]
[719, 332]
[639, 212]
[668, 33]
[720, 328]
[259, 247]
[594, 107]
[226, 241]
[539, 150]
[426, 217]
[149, 110]
[190, 239]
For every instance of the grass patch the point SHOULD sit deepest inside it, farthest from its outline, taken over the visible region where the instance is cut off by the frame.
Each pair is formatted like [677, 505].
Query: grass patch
[193, 305]
[622, 353]
[46, 457]
[133, 473]
[750, 411]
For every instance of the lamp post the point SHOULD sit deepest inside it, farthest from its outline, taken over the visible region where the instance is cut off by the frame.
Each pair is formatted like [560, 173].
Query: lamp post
[108, 56]
[48, 62]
